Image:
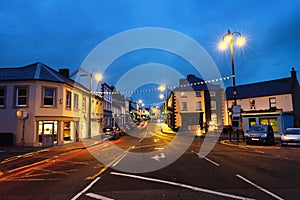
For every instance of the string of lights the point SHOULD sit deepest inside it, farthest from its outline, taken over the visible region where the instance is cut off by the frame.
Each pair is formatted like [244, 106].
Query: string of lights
[169, 87]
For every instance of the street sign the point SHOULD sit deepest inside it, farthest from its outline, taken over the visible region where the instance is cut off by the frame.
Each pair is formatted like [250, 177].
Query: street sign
[236, 109]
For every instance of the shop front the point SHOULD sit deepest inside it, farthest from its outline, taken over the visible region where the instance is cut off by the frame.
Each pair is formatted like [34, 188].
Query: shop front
[278, 119]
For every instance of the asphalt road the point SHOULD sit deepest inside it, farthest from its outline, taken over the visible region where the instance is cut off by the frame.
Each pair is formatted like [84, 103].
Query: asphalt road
[148, 164]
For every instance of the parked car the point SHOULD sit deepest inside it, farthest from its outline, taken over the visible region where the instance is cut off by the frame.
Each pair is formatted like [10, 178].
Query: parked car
[110, 133]
[262, 134]
[290, 136]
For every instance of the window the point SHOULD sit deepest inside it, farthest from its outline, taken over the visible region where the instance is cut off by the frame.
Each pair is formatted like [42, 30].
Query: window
[212, 93]
[49, 97]
[198, 94]
[83, 104]
[272, 102]
[184, 106]
[92, 106]
[272, 121]
[68, 99]
[21, 96]
[252, 121]
[213, 105]
[252, 104]
[2, 97]
[97, 108]
[183, 95]
[75, 101]
[198, 105]
[214, 118]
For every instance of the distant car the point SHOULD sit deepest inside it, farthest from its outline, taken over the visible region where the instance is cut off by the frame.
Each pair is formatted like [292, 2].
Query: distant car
[290, 136]
[262, 134]
[110, 133]
[119, 131]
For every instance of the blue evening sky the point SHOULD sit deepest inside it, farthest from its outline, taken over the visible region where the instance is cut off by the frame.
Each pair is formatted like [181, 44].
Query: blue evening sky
[61, 33]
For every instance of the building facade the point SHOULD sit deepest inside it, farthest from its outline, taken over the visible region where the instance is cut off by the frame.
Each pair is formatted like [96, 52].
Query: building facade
[54, 109]
[195, 102]
[272, 102]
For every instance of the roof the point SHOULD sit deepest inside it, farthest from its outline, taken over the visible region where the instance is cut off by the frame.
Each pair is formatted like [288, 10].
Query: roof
[35, 71]
[268, 88]
[194, 83]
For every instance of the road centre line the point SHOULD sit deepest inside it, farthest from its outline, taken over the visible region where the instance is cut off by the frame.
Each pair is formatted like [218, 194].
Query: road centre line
[85, 189]
[97, 196]
[182, 185]
[117, 162]
[143, 137]
[209, 160]
[110, 164]
[260, 188]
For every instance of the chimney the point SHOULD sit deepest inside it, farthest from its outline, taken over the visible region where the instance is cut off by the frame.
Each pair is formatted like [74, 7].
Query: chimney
[65, 72]
[183, 81]
[294, 74]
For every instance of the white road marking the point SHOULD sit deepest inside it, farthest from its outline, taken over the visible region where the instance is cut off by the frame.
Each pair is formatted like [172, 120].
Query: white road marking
[143, 137]
[158, 156]
[119, 160]
[209, 160]
[97, 196]
[258, 187]
[146, 131]
[85, 189]
[182, 185]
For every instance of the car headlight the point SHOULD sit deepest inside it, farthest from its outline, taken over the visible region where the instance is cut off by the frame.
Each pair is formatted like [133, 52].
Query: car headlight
[264, 135]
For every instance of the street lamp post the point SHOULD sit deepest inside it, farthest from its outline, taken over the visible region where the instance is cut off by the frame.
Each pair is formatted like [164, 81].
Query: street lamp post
[164, 88]
[90, 107]
[228, 39]
[98, 77]
[92, 75]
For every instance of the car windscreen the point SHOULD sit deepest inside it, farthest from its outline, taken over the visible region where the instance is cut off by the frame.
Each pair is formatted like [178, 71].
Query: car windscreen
[258, 129]
[292, 131]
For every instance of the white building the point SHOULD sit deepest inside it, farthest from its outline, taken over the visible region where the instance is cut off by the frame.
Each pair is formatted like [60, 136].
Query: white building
[57, 108]
[274, 102]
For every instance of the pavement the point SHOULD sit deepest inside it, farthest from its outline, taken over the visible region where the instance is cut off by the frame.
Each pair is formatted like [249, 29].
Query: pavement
[166, 129]
[8, 152]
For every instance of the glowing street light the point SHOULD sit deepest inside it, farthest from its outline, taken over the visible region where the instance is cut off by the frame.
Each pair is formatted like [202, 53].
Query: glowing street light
[97, 76]
[228, 40]
[140, 101]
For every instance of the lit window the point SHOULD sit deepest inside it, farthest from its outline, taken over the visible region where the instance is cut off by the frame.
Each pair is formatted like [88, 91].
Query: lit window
[92, 106]
[68, 99]
[49, 97]
[75, 101]
[183, 95]
[272, 102]
[252, 104]
[214, 118]
[212, 93]
[97, 107]
[83, 104]
[21, 96]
